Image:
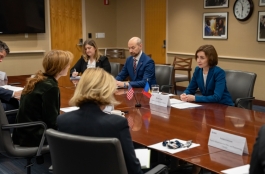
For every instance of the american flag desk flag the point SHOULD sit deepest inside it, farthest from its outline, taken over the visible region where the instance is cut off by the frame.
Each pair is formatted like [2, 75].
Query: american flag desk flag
[130, 92]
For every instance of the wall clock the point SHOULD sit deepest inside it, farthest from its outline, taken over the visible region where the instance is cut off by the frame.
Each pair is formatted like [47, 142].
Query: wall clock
[243, 9]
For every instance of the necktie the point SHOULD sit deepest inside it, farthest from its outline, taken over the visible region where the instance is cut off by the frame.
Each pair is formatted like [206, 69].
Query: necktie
[134, 65]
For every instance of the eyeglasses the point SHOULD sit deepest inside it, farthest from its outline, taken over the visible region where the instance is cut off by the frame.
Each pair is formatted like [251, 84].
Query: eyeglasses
[176, 144]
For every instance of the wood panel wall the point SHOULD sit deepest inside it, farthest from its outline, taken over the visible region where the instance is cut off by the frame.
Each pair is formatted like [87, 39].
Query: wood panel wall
[155, 29]
[66, 29]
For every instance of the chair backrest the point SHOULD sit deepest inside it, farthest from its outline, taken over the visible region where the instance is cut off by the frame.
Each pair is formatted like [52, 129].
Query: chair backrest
[115, 68]
[6, 143]
[115, 53]
[82, 154]
[183, 64]
[164, 75]
[240, 84]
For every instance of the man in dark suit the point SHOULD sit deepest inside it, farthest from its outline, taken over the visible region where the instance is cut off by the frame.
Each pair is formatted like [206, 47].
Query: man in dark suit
[8, 97]
[257, 163]
[139, 67]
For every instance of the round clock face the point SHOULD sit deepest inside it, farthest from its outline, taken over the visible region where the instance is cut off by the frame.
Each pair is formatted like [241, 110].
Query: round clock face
[243, 9]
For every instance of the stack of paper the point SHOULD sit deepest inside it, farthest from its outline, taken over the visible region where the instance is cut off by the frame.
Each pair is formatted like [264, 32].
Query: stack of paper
[175, 103]
[12, 88]
[238, 170]
[144, 157]
[69, 109]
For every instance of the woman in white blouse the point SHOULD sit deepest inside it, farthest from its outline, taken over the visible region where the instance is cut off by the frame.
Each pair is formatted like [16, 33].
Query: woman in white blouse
[91, 58]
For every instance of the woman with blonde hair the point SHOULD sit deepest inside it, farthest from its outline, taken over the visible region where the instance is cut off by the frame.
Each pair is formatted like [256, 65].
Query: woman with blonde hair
[94, 91]
[40, 99]
[91, 58]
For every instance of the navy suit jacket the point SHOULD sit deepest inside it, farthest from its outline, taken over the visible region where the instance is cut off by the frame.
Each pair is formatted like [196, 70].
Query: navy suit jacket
[5, 96]
[90, 120]
[215, 90]
[145, 71]
[257, 162]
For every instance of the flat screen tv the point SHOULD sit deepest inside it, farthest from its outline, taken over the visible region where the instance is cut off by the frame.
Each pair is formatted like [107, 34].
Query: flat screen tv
[22, 16]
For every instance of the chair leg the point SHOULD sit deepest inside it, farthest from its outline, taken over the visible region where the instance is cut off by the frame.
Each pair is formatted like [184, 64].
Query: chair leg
[28, 166]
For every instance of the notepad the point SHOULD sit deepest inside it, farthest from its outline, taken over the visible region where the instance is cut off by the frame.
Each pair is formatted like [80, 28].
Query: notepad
[144, 157]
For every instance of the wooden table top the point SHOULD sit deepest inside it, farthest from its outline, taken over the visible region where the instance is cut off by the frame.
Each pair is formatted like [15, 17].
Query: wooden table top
[151, 124]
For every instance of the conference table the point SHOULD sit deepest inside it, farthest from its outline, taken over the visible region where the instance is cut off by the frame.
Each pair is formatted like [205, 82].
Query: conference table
[151, 124]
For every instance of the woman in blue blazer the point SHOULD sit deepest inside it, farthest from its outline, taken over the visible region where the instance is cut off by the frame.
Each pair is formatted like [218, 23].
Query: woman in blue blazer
[209, 78]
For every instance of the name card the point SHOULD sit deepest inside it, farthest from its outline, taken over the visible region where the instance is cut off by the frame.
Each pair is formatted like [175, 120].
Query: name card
[228, 142]
[160, 99]
[3, 75]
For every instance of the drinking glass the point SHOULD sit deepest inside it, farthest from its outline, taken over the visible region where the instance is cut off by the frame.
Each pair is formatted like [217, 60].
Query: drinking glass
[155, 88]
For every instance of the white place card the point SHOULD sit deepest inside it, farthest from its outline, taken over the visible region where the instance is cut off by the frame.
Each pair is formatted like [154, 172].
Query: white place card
[228, 142]
[160, 99]
[3, 75]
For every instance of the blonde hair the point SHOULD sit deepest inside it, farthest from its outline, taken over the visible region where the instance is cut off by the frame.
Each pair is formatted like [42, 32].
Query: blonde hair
[95, 85]
[92, 43]
[53, 63]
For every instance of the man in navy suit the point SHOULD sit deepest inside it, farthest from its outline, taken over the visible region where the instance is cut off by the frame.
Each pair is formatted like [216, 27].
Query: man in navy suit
[139, 67]
[8, 97]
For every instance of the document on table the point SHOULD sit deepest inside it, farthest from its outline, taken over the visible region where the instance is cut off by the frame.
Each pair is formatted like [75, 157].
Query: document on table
[12, 88]
[159, 146]
[144, 157]
[238, 170]
[69, 109]
[175, 103]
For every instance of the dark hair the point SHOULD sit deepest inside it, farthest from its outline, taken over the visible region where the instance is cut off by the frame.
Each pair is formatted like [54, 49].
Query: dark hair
[210, 53]
[3, 46]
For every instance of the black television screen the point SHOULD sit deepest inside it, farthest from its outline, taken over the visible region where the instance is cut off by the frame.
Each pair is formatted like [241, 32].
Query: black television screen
[22, 16]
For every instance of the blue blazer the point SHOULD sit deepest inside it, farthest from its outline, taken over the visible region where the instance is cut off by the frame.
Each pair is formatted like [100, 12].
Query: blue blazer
[215, 90]
[145, 70]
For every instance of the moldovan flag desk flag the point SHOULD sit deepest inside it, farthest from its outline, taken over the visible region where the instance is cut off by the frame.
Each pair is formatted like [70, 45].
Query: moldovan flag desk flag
[130, 92]
[146, 90]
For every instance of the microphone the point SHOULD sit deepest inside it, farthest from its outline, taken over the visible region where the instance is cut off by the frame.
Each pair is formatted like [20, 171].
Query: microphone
[138, 104]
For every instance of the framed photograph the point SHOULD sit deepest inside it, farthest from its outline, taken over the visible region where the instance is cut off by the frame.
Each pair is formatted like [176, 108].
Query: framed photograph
[261, 26]
[217, 3]
[261, 2]
[215, 25]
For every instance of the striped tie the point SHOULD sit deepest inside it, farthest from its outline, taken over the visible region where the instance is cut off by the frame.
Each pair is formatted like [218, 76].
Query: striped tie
[134, 65]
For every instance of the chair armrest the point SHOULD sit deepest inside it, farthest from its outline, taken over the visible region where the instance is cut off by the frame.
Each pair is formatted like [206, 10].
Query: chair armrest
[29, 124]
[158, 169]
[11, 111]
[167, 86]
[238, 100]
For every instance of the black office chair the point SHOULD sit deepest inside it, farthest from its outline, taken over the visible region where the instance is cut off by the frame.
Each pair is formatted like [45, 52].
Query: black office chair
[11, 150]
[240, 85]
[115, 68]
[165, 77]
[81, 154]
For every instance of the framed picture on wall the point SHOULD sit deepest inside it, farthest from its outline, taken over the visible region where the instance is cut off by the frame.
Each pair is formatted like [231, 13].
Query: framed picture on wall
[215, 25]
[217, 3]
[261, 26]
[261, 2]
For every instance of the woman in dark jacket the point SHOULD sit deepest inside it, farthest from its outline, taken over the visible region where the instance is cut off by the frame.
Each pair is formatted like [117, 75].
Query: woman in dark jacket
[40, 99]
[91, 58]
